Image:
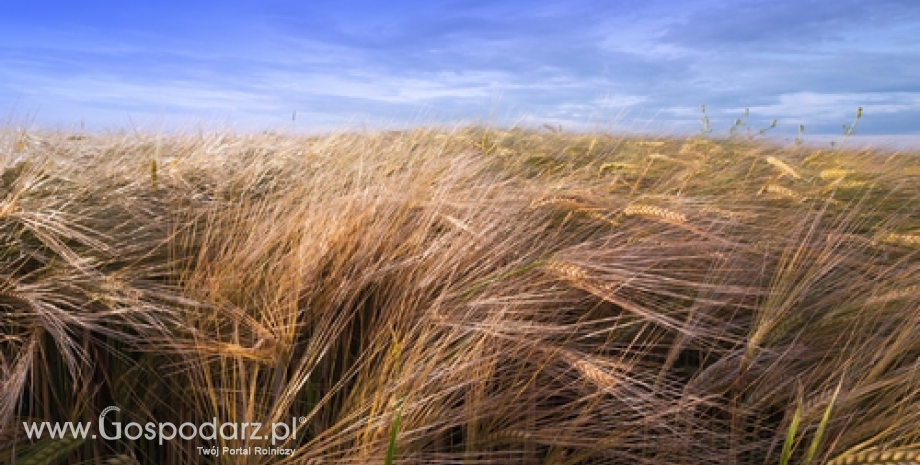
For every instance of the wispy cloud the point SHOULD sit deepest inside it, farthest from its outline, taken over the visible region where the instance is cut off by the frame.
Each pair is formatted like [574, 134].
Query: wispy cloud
[630, 63]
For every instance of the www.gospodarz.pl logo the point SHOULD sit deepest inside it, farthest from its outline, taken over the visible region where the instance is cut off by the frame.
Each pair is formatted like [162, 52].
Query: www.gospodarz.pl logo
[279, 431]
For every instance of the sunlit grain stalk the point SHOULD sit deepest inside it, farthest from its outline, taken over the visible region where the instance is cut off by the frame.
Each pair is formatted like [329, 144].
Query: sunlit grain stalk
[727, 214]
[834, 173]
[907, 240]
[895, 295]
[616, 166]
[577, 206]
[395, 290]
[850, 184]
[785, 192]
[655, 212]
[783, 167]
[899, 456]
[558, 200]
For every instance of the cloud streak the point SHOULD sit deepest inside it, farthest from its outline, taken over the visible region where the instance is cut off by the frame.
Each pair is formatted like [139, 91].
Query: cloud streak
[581, 63]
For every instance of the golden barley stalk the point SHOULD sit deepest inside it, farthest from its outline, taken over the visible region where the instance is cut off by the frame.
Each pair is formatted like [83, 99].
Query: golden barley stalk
[695, 147]
[594, 214]
[264, 350]
[513, 434]
[908, 240]
[785, 192]
[17, 300]
[834, 173]
[8, 209]
[591, 371]
[897, 294]
[579, 277]
[652, 211]
[22, 142]
[596, 375]
[851, 184]
[658, 156]
[782, 166]
[613, 166]
[724, 213]
[556, 200]
[902, 456]
[567, 271]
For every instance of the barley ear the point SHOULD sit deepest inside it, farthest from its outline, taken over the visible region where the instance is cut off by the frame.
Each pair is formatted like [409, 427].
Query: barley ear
[783, 167]
[651, 211]
[906, 240]
[909, 455]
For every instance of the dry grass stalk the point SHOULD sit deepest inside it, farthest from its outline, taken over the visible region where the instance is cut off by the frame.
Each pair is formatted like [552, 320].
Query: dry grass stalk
[8, 208]
[899, 456]
[259, 283]
[558, 200]
[658, 156]
[700, 147]
[566, 270]
[592, 371]
[785, 192]
[617, 166]
[834, 173]
[898, 294]
[850, 184]
[597, 215]
[652, 211]
[907, 240]
[724, 213]
[783, 167]
[577, 205]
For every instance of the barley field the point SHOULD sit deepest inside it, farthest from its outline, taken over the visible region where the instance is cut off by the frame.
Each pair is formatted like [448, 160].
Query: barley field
[461, 296]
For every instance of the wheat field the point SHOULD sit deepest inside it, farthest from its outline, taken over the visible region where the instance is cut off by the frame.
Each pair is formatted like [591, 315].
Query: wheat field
[462, 296]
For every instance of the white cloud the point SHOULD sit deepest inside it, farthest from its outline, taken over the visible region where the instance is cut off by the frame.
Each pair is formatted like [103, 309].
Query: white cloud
[821, 107]
[108, 90]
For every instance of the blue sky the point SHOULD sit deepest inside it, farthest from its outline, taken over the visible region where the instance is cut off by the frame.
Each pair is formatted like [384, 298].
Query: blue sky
[615, 65]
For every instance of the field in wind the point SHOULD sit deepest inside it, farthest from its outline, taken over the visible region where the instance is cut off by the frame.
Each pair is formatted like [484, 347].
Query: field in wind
[462, 297]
